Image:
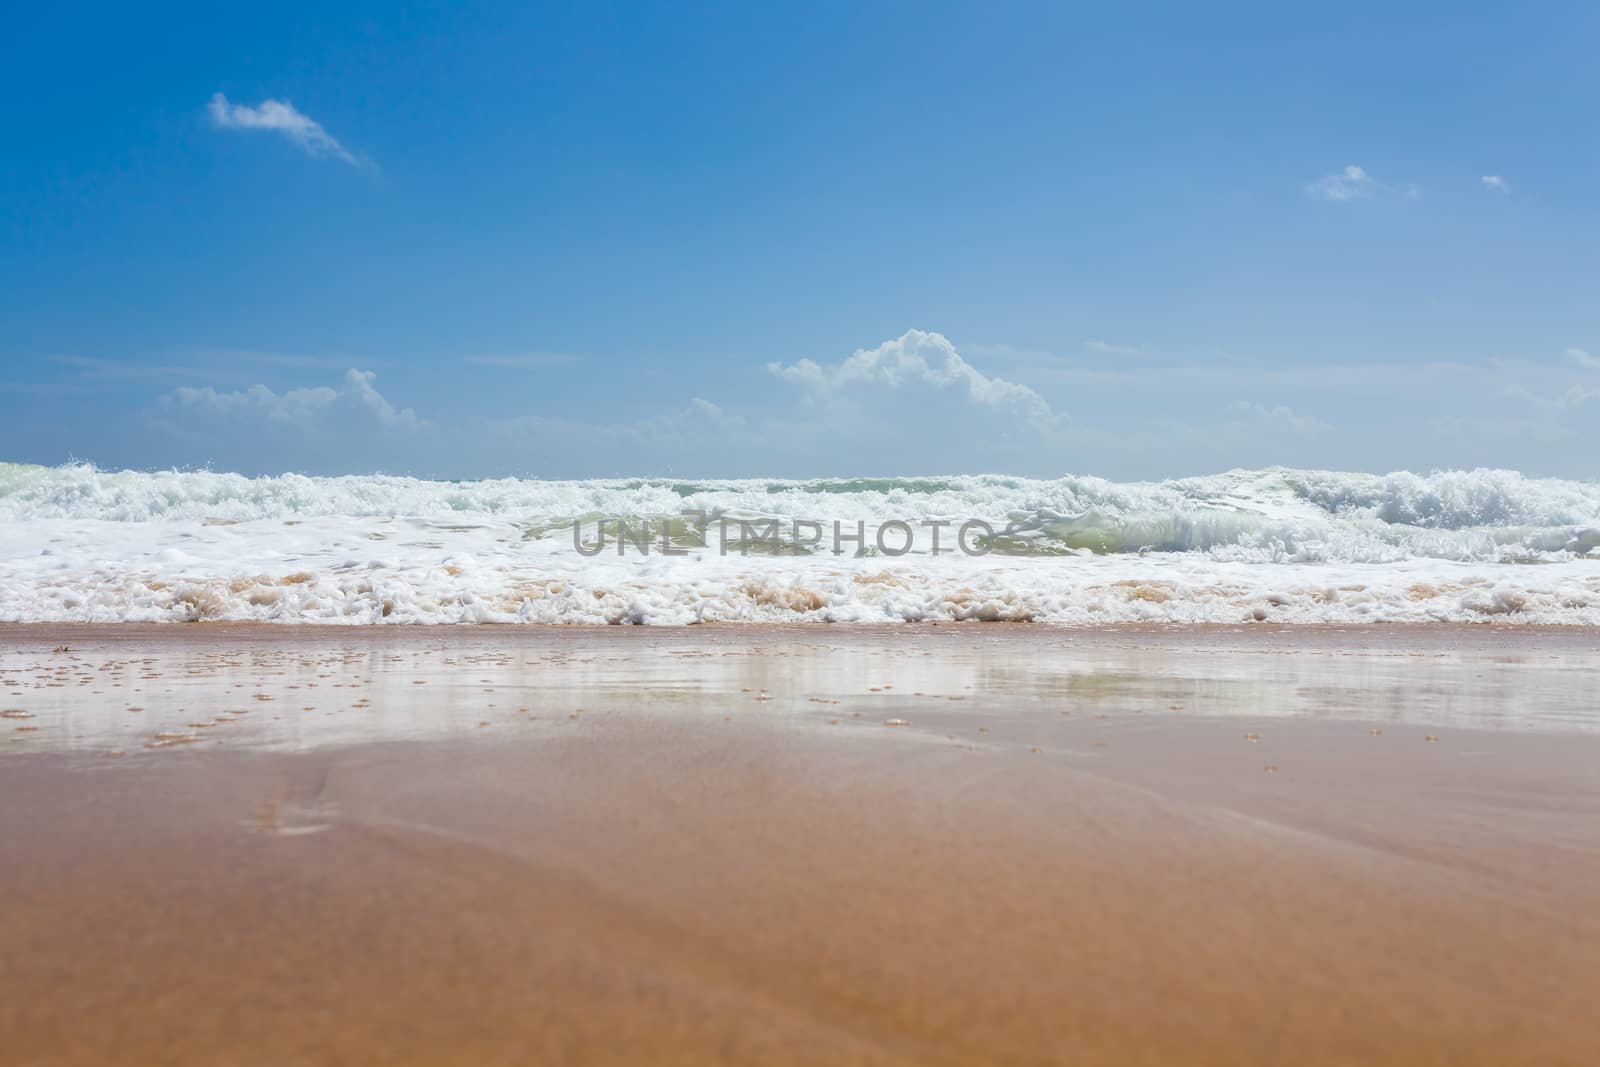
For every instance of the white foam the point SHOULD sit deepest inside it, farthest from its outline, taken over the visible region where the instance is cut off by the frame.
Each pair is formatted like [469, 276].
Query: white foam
[79, 544]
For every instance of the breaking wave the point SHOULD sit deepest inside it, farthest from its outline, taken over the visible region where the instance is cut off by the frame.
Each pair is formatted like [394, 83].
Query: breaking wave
[81, 544]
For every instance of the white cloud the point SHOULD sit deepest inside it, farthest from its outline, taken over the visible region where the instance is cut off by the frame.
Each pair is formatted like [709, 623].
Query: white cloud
[279, 116]
[294, 406]
[1278, 416]
[914, 405]
[917, 359]
[301, 408]
[358, 385]
[1496, 183]
[1354, 183]
[1351, 183]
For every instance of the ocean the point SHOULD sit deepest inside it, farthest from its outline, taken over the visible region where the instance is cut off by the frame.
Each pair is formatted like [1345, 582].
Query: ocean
[80, 544]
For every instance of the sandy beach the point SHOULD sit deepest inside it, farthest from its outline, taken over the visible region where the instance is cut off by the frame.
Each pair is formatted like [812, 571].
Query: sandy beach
[815, 535]
[798, 845]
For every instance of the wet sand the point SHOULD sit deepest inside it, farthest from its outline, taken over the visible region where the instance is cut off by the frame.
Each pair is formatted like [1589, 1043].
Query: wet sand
[899, 845]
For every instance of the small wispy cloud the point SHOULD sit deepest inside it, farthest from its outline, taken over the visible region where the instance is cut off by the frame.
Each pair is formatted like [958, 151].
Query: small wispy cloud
[1355, 183]
[1351, 183]
[278, 116]
[1496, 183]
[1583, 359]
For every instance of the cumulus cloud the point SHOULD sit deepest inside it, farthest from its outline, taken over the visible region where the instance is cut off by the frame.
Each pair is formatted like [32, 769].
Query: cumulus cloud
[1495, 183]
[917, 359]
[278, 116]
[294, 407]
[913, 405]
[1351, 183]
[358, 386]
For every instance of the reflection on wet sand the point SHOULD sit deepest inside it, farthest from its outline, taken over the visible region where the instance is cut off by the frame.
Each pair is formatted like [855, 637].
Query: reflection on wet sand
[125, 688]
[915, 845]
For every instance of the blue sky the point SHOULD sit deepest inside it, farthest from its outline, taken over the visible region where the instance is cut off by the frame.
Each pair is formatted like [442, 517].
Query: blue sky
[1138, 240]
